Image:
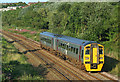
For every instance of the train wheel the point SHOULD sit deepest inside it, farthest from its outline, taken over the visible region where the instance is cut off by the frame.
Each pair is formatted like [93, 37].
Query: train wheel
[70, 59]
[64, 57]
[76, 62]
[67, 58]
[51, 51]
[56, 53]
[83, 67]
[41, 46]
[48, 49]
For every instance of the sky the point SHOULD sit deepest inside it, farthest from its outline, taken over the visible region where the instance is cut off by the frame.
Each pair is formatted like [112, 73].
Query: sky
[26, 1]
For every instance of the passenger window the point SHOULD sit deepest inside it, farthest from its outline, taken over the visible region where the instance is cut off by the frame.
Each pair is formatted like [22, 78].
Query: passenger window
[71, 49]
[41, 38]
[100, 51]
[87, 51]
[44, 39]
[60, 44]
[67, 47]
[76, 50]
[82, 54]
[48, 41]
[63, 44]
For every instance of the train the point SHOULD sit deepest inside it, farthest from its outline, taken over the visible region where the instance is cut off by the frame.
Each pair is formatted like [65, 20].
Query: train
[87, 55]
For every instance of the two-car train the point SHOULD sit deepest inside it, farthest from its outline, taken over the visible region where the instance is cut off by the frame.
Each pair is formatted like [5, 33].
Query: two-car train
[87, 54]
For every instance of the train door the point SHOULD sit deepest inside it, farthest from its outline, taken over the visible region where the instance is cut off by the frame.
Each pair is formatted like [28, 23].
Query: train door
[57, 44]
[54, 44]
[80, 54]
[94, 53]
[65, 48]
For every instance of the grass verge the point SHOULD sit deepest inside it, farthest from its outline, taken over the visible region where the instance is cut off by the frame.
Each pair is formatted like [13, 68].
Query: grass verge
[16, 67]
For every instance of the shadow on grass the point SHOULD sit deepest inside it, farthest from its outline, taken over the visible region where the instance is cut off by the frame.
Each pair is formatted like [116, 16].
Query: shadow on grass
[11, 41]
[109, 64]
[14, 50]
[9, 50]
[25, 52]
[13, 70]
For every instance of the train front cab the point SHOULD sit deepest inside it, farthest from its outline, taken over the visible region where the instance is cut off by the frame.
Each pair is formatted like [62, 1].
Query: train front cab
[93, 57]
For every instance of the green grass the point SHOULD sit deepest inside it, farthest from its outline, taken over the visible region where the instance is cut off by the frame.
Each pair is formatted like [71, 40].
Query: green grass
[112, 62]
[27, 34]
[16, 67]
[111, 65]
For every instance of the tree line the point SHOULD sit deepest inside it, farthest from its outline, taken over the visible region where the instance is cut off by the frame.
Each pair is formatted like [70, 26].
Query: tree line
[90, 21]
[14, 4]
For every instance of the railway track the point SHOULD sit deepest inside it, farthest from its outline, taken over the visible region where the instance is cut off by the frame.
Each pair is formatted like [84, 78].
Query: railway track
[62, 69]
[35, 60]
[35, 54]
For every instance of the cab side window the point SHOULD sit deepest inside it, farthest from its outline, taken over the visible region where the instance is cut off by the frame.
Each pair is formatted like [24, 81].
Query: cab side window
[87, 51]
[100, 51]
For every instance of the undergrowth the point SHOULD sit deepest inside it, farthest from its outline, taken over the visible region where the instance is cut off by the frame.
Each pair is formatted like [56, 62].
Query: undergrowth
[16, 67]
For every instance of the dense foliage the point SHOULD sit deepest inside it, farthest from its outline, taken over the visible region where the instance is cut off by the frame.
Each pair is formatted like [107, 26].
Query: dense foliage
[91, 21]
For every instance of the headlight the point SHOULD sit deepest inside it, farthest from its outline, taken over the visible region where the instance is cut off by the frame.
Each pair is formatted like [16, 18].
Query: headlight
[86, 58]
[101, 57]
[101, 62]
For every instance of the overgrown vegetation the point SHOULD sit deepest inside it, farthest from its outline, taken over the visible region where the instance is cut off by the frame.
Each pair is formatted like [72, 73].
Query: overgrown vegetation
[89, 21]
[16, 67]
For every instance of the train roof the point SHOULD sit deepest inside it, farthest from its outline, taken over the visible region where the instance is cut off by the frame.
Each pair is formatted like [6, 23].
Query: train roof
[68, 38]
[47, 34]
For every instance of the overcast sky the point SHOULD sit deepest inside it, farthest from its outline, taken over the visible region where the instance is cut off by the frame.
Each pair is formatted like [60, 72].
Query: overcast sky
[9, 1]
